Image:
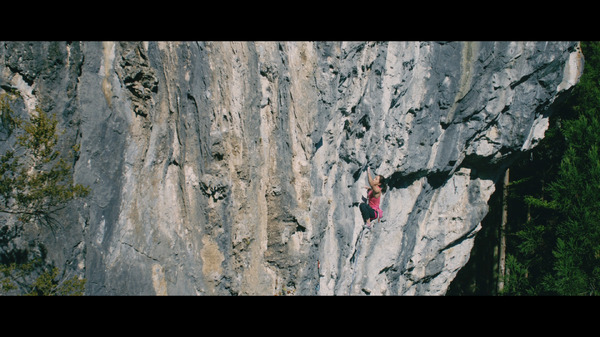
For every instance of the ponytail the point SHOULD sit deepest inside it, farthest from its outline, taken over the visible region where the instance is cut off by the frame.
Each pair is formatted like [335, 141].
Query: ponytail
[382, 183]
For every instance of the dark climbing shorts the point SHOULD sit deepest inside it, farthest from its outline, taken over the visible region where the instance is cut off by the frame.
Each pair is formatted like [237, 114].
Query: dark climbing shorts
[367, 212]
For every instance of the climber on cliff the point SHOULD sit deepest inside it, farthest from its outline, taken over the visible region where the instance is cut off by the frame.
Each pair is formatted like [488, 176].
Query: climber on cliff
[370, 210]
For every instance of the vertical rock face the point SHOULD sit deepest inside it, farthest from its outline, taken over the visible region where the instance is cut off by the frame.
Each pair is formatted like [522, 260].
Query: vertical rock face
[237, 168]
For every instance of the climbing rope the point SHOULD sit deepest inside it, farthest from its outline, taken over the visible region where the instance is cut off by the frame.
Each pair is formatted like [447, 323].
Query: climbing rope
[354, 257]
[318, 287]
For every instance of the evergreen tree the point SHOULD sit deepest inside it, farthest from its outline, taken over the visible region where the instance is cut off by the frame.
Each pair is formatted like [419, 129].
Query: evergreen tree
[576, 191]
[556, 250]
[38, 182]
[35, 183]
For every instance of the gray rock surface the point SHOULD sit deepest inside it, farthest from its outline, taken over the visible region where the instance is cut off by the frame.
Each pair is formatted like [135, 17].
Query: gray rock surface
[237, 167]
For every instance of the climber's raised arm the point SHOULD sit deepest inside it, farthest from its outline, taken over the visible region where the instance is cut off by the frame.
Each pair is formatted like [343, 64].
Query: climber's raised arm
[374, 183]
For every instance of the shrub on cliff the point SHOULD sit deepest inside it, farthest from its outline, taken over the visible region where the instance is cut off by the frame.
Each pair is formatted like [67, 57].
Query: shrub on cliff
[35, 183]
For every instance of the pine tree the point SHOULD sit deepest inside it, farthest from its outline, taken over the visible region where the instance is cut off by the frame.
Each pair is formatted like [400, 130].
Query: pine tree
[35, 183]
[577, 191]
[557, 249]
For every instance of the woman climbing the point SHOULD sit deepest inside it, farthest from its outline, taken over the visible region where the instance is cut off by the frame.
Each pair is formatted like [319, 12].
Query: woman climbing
[370, 210]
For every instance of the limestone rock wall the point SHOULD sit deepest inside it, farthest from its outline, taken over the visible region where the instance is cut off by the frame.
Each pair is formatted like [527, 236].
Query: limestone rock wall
[237, 167]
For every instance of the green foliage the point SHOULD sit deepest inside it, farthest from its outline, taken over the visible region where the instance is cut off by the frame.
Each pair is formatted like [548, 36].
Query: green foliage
[47, 283]
[557, 249]
[539, 203]
[6, 119]
[35, 183]
[38, 182]
[516, 280]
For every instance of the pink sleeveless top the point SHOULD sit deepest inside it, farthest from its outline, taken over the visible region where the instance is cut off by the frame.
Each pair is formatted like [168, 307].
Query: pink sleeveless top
[374, 203]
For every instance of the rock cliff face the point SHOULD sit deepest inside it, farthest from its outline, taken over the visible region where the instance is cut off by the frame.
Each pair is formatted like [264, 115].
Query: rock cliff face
[237, 168]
